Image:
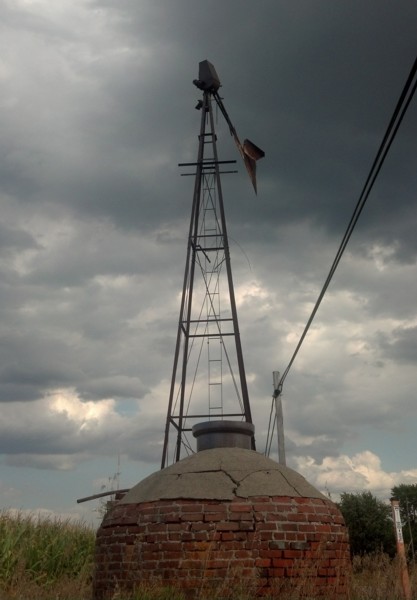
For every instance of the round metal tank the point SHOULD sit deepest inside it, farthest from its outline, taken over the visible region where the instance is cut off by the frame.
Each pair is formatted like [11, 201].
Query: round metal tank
[224, 519]
[223, 434]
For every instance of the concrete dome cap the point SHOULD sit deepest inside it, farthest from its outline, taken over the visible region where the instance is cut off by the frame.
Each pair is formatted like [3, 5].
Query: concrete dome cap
[222, 474]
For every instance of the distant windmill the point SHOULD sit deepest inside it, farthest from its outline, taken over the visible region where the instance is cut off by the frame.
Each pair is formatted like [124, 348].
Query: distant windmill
[208, 378]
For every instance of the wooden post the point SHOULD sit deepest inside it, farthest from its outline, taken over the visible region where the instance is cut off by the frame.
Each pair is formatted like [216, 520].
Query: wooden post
[279, 420]
[395, 505]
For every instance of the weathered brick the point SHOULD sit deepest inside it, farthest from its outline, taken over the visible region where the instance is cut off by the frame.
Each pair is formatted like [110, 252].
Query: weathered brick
[200, 526]
[200, 536]
[302, 500]
[289, 527]
[323, 528]
[214, 516]
[155, 527]
[270, 553]
[293, 554]
[306, 527]
[190, 564]
[172, 554]
[299, 545]
[261, 507]
[307, 535]
[238, 507]
[263, 562]
[227, 526]
[277, 545]
[241, 553]
[171, 546]
[271, 526]
[274, 572]
[240, 516]
[196, 546]
[192, 507]
[266, 499]
[282, 562]
[296, 517]
[280, 508]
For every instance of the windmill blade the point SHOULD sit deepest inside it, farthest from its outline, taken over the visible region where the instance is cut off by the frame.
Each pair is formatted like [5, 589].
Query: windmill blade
[251, 153]
[248, 150]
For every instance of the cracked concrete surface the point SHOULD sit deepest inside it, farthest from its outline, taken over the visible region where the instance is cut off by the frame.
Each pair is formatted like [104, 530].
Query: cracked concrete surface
[221, 474]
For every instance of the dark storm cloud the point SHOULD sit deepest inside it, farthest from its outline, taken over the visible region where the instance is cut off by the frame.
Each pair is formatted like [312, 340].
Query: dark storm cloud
[308, 84]
[300, 75]
[13, 239]
[401, 346]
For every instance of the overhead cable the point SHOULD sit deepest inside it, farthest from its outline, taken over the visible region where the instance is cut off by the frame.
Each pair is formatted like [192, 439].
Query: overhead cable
[391, 131]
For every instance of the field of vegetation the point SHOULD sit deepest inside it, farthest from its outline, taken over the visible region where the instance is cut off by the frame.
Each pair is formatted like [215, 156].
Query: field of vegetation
[43, 559]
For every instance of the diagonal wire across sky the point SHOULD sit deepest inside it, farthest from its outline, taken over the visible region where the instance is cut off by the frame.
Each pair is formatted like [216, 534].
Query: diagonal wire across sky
[390, 133]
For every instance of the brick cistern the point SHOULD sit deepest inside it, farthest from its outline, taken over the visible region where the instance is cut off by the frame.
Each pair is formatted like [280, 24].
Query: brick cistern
[224, 517]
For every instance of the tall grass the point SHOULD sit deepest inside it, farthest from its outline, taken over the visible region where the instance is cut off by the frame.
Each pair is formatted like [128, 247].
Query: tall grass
[52, 559]
[38, 554]
[377, 577]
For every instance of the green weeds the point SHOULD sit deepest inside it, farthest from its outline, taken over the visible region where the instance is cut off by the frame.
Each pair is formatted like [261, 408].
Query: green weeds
[40, 553]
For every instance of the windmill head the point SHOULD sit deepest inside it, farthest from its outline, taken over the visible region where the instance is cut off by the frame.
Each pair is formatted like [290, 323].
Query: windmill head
[208, 79]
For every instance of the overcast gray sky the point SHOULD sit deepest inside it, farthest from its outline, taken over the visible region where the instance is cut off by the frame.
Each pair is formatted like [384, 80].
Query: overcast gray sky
[97, 109]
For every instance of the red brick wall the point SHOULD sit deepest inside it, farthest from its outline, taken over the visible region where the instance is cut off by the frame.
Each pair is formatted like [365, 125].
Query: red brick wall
[269, 543]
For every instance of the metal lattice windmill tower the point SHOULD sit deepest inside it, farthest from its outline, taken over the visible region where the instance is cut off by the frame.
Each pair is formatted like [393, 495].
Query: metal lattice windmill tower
[208, 379]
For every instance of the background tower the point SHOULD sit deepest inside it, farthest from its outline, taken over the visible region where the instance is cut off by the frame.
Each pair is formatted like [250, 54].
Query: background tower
[208, 378]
